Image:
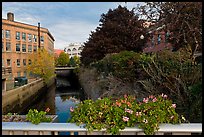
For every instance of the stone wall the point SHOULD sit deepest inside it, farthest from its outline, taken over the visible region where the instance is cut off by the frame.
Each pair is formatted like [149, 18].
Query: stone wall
[22, 96]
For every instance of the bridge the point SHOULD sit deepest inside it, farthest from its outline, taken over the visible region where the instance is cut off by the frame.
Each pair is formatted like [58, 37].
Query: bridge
[64, 68]
[64, 71]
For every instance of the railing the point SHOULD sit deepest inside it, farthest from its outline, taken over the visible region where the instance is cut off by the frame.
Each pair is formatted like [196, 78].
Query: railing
[27, 128]
[7, 70]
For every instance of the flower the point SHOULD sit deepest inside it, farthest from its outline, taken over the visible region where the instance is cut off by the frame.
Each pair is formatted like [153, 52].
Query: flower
[174, 105]
[145, 100]
[145, 121]
[138, 113]
[129, 104]
[172, 117]
[125, 118]
[154, 100]
[128, 110]
[118, 104]
[71, 109]
[151, 96]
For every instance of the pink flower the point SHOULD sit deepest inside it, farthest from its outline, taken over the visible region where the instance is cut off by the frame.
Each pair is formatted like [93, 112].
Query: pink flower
[128, 110]
[125, 96]
[154, 100]
[174, 105]
[129, 104]
[71, 109]
[145, 100]
[172, 117]
[118, 104]
[165, 96]
[125, 118]
[151, 96]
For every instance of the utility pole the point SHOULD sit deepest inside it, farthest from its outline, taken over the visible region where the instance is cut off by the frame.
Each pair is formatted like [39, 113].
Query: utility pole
[38, 35]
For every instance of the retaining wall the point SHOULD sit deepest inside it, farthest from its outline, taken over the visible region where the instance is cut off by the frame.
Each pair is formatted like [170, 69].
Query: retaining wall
[23, 96]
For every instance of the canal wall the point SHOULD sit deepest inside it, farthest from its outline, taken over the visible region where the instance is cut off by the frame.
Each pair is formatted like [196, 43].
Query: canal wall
[21, 97]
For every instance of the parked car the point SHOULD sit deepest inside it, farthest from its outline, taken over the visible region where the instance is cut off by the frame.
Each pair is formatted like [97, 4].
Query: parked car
[20, 81]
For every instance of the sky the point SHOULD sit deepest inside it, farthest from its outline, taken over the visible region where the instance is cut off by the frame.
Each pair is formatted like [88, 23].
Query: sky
[68, 22]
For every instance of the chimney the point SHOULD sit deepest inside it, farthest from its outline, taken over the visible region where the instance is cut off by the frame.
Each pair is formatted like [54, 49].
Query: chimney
[10, 16]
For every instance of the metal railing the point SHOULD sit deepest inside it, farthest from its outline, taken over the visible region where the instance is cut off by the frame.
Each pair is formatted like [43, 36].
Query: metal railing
[27, 128]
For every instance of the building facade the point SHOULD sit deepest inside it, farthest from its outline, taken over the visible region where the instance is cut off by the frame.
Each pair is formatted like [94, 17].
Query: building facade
[74, 49]
[19, 40]
[158, 39]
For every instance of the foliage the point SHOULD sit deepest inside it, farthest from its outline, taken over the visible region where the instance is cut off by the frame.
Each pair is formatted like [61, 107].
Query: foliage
[182, 19]
[63, 59]
[123, 65]
[42, 64]
[36, 116]
[172, 72]
[178, 76]
[119, 29]
[114, 115]
[74, 61]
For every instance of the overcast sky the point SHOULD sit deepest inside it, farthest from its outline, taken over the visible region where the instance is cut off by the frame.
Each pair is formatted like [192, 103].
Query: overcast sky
[67, 21]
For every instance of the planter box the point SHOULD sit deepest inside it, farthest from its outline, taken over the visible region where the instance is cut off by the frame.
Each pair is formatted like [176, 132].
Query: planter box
[22, 118]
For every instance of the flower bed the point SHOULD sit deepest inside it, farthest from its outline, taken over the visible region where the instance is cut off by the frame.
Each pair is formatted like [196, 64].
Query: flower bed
[114, 115]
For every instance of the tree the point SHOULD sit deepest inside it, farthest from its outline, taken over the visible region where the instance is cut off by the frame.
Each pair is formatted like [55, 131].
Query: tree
[42, 64]
[63, 59]
[183, 19]
[72, 62]
[120, 29]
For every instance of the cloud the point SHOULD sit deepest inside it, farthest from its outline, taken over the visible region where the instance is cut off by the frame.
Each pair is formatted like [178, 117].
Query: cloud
[67, 21]
[71, 31]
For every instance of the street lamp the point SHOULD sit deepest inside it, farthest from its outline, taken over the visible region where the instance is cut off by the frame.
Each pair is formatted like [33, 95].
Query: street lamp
[141, 37]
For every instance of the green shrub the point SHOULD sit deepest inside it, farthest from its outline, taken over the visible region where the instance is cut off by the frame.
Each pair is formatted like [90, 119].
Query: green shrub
[36, 116]
[114, 115]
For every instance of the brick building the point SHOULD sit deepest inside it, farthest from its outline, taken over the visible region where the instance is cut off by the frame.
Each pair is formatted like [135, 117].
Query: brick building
[158, 39]
[19, 40]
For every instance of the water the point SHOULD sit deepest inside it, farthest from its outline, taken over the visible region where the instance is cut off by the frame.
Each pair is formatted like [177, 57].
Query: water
[59, 98]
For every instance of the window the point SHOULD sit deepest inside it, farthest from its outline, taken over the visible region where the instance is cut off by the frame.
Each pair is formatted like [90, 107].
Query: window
[24, 62]
[167, 36]
[8, 46]
[18, 62]
[2, 33]
[23, 47]
[8, 61]
[69, 50]
[24, 73]
[8, 34]
[42, 39]
[29, 38]
[2, 46]
[34, 48]
[159, 38]
[18, 48]
[18, 74]
[29, 48]
[24, 36]
[34, 38]
[29, 62]
[18, 34]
